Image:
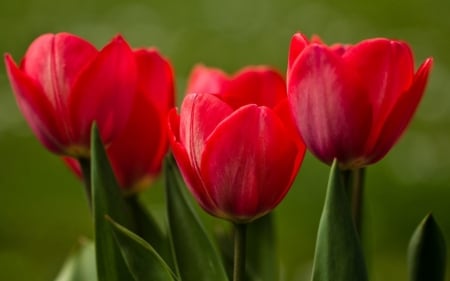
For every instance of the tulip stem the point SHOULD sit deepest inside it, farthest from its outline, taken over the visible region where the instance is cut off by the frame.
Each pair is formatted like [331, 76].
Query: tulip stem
[354, 183]
[240, 230]
[85, 165]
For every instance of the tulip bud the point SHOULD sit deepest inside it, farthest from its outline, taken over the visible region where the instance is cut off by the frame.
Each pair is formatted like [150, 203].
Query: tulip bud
[353, 102]
[234, 142]
[63, 85]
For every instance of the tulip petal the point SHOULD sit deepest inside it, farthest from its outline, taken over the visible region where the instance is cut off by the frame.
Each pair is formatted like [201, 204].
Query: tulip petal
[255, 85]
[36, 108]
[55, 61]
[156, 78]
[330, 113]
[398, 120]
[384, 68]
[104, 93]
[138, 151]
[284, 112]
[199, 115]
[249, 163]
[298, 44]
[206, 80]
[190, 174]
[73, 165]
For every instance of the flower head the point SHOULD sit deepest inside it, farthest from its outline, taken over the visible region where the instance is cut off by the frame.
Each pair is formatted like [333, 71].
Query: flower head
[235, 142]
[63, 84]
[353, 102]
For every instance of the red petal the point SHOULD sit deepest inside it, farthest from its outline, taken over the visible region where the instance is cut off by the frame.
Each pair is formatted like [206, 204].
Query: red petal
[255, 85]
[156, 79]
[104, 93]
[206, 80]
[138, 151]
[283, 111]
[340, 49]
[333, 117]
[200, 114]
[249, 163]
[298, 43]
[55, 61]
[36, 108]
[398, 120]
[190, 175]
[383, 68]
[73, 166]
[384, 71]
[315, 39]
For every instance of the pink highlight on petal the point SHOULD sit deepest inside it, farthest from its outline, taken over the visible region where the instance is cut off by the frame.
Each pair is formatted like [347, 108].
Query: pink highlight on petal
[200, 114]
[322, 79]
[36, 108]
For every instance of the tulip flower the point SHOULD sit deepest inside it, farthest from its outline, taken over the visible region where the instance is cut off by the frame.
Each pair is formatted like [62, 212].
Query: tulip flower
[353, 102]
[235, 142]
[64, 84]
[136, 154]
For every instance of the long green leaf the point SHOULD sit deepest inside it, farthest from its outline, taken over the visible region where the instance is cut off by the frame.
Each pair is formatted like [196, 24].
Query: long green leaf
[107, 200]
[80, 266]
[426, 252]
[197, 258]
[148, 228]
[143, 261]
[262, 258]
[338, 255]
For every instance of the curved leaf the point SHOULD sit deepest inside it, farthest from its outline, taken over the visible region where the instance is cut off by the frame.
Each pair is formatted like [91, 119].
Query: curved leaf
[143, 261]
[338, 255]
[107, 200]
[148, 228]
[80, 266]
[196, 257]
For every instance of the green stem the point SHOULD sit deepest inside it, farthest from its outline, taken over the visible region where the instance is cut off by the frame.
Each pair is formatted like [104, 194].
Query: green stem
[240, 230]
[354, 183]
[85, 165]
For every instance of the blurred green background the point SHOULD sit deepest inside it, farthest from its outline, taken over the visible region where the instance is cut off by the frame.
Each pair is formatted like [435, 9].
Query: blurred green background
[43, 211]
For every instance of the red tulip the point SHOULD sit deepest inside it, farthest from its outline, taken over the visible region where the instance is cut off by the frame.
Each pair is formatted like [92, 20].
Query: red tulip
[63, 85]
[234, 142]
[136, 154]
[353, 102]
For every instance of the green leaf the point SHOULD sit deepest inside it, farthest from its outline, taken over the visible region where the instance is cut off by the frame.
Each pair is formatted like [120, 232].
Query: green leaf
[143, 261]
[107, 200]
[426, 252]
[196, 257]
[338, 255]
[80, 266]
[149, 229]
[262, 258]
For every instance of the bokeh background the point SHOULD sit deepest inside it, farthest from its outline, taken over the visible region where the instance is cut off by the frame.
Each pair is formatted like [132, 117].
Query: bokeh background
[43, 211]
